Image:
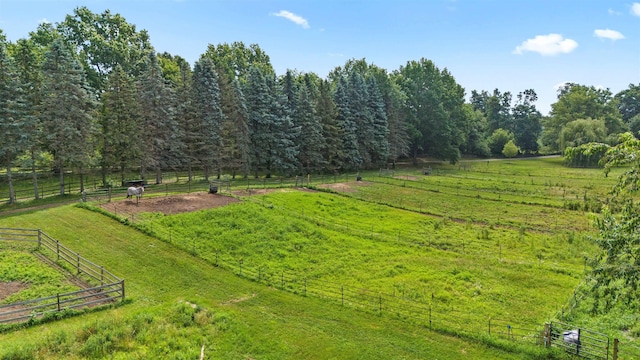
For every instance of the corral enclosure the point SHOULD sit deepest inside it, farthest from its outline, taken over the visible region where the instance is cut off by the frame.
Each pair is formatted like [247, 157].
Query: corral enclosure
[488, 241]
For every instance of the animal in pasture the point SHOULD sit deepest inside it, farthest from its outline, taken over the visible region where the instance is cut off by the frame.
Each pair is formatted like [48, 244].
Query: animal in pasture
[137, 191]
[571, 337]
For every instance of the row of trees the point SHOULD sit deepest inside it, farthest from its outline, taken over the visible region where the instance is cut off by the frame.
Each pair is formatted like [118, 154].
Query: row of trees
[90, 92]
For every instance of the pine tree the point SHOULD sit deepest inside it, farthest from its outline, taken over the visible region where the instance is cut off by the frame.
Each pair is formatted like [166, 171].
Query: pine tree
[160, 132]
[67, 110]
[332, 154]
[236, 147]
[13, 116]
[208, 115]
[351, 158]
[311, 142]
[378, 144]
[28, 59]
[120, 133]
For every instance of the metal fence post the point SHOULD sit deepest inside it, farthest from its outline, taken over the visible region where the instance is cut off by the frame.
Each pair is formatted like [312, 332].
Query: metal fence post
[39, 238]
[58, 298]
[122, 287]
[78, 257]
[58, 249]
[615, 349]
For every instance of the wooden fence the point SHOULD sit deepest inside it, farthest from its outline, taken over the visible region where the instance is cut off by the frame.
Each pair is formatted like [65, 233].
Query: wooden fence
[110, 288]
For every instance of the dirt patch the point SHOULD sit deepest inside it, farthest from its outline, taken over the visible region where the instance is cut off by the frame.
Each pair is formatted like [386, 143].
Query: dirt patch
[11, 287]
[344, 187]
[407, 177]
[172, 204]
[251, 192]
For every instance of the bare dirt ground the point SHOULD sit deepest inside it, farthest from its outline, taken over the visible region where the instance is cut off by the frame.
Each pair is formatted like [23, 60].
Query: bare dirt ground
[407, 177]
[172, 204]
[11, 287]
[344, 187]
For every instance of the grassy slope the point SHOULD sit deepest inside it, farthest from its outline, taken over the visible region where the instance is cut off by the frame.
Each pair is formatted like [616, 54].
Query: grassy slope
[266, 323]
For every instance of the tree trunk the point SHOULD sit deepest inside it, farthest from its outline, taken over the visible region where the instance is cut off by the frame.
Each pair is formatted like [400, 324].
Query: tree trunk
[61, 169]
[12, 194]
[34, 175]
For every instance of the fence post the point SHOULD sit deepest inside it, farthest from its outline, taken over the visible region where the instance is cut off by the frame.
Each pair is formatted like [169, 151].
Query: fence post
[547, 334]
[615, 349]
[39, 238]
[58, 298]
[109, 193]
[122, 286]
[101, 275]
[78, 257]
[58, 249]
[578, 344]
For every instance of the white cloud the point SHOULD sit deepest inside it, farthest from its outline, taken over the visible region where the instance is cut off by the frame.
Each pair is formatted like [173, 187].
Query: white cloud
[613, 12]
[608, 34]
[547, 45]
[293, 17]
[635, 9]
[336, 54]
[44, 21]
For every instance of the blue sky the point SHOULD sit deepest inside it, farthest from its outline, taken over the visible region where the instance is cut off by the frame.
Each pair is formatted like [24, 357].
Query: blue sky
[511, 45]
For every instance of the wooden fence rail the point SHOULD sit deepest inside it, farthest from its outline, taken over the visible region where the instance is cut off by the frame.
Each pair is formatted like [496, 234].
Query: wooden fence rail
[111, 287]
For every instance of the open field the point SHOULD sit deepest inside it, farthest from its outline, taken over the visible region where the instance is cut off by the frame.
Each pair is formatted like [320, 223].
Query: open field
[473, 243]
[240, 319]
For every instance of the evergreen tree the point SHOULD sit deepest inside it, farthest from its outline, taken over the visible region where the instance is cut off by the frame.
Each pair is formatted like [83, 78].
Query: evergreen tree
[206, 138]
[120, 133]
[270, 127]
[311, 142]
[161, 136]
[67, 110]
[28, 57]
[332, 134]
[378, 145]
[13, 116]
[351, 157]
[236, 147]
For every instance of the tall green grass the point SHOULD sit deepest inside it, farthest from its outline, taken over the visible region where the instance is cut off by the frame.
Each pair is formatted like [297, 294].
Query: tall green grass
[234, 318]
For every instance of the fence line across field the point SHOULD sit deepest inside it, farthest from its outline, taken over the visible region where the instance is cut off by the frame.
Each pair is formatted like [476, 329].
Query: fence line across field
[111, 287]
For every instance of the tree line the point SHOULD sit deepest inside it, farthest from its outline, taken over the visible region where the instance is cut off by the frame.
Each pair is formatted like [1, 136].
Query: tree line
[90, 92]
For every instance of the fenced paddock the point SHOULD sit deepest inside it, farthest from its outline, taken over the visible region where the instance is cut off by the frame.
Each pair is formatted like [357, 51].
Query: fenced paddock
[107, 288]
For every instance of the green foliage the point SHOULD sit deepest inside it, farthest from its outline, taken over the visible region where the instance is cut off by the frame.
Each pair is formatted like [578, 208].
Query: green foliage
[615, 270]
[498, 139]
[585, 155]
[510, 149]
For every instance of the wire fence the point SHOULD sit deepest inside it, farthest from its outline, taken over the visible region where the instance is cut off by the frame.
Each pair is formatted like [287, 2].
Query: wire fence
[106, 288]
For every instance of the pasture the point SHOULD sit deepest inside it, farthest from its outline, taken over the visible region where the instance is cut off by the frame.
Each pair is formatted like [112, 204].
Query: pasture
[474, 243]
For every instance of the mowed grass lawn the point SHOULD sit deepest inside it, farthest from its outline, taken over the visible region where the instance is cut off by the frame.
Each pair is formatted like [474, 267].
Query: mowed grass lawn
[247, 320]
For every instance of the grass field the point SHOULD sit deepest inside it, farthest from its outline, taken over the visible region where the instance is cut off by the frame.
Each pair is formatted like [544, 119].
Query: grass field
[491, 240]
[239, 319]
